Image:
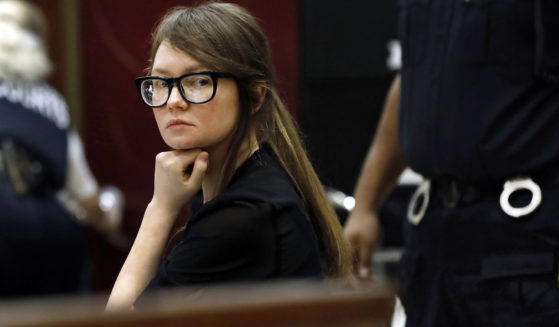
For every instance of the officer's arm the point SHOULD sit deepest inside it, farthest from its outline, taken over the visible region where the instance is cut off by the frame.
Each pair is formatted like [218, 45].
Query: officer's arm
[382, 167]
[100, 208]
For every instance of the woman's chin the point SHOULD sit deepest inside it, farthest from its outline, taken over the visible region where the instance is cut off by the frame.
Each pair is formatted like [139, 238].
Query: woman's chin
[182, 145]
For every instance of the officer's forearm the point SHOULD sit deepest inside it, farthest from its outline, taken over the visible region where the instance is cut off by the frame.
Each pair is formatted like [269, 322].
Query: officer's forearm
[384, 162]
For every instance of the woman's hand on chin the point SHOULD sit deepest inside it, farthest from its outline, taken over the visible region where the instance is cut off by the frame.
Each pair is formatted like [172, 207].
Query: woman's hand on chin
[178, 177]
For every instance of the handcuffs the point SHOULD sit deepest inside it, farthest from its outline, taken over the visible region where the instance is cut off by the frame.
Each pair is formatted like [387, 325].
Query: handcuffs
[415, 215]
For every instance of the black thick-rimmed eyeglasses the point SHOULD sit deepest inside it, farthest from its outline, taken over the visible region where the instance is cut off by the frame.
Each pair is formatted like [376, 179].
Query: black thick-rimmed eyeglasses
[197, 88]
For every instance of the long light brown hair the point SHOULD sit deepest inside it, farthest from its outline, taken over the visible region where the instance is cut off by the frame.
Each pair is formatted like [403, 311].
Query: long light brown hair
[227, 38]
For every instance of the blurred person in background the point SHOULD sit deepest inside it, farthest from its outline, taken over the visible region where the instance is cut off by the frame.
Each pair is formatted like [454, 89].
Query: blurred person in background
[259, 210]
[47, 192]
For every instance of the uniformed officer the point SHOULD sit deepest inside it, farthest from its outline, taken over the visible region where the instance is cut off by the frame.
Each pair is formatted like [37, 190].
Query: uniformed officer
[476, 112]
[46, 189]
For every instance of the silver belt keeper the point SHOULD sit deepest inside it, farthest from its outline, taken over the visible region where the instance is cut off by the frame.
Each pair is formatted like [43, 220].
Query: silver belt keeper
[422, 191]
[517, 184]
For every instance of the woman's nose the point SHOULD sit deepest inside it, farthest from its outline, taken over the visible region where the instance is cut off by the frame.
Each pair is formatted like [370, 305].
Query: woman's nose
[176, 100]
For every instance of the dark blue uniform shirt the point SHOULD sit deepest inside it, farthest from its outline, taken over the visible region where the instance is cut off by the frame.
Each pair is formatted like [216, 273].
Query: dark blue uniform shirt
[480, 87]
[42, 247]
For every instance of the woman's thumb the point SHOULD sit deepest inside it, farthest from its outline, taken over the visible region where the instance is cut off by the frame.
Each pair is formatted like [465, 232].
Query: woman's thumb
[200, 168]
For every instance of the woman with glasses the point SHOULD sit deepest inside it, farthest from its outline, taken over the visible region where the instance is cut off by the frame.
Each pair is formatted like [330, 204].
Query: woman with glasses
[258, 209]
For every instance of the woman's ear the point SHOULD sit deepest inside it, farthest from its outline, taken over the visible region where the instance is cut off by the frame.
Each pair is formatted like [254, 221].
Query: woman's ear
[258, 95]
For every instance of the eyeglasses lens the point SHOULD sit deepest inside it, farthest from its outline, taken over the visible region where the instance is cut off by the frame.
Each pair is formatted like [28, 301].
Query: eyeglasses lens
[198, 88]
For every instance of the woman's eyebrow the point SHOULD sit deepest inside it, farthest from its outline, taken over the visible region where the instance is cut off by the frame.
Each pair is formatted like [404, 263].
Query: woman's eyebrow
[165, 72]
[158, 71]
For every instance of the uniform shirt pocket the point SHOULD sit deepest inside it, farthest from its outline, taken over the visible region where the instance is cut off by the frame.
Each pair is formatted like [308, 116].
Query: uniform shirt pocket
[413, 28]
[497, 32]
[470, 37]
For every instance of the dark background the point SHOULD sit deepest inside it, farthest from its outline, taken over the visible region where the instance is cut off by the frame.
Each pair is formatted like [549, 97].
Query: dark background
[343, 82]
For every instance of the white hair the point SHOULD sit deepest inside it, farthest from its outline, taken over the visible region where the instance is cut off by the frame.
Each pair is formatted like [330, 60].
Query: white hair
[22, 53]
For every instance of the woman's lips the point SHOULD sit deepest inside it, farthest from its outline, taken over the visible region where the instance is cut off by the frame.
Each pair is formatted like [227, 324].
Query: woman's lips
[177, 123]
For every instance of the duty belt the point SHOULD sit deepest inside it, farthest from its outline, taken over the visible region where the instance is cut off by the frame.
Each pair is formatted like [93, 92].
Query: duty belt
[451, 193]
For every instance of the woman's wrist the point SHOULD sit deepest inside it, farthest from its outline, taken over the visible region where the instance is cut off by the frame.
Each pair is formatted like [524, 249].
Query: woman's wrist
[162, 208]
[158, 219]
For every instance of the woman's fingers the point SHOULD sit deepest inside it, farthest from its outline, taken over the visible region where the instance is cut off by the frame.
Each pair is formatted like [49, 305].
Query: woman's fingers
[199, 169]
[178, 176]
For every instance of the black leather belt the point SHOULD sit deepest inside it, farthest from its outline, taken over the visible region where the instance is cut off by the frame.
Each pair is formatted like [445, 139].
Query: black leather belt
[451, 193]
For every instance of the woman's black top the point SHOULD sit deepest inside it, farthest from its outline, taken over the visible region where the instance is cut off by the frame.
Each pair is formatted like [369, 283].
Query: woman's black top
[257, 229]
